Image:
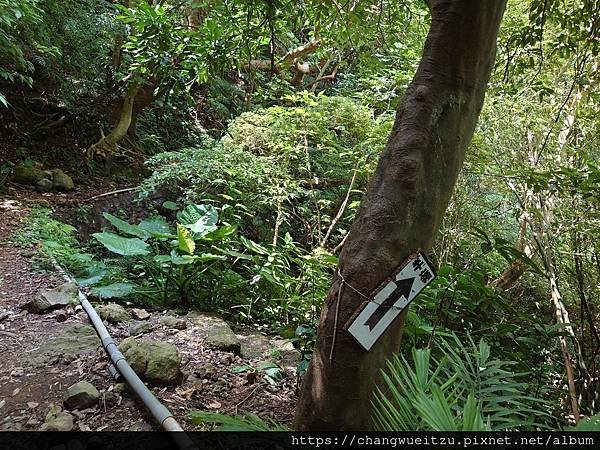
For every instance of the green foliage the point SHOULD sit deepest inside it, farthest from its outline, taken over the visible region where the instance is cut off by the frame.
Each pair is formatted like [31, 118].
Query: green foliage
[267, 203]
[54, 239]
[222, 422]
[15, 17]
[122, 246]
[588, 424]
[159, 46]
[114, 290]
[162, 49]
[169, 261]
[306, 338]
[288, 164]
[57, 241]
[68, 41]
[464, 389]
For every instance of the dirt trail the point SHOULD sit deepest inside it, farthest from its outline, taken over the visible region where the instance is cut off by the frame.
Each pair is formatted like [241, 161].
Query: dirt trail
[41, 357]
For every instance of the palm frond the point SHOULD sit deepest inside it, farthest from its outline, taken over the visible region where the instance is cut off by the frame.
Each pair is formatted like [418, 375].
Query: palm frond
[464, 388]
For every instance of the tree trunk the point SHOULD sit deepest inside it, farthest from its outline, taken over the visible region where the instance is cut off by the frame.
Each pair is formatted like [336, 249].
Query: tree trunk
[108, 144]
[144, 98]
[403, 208]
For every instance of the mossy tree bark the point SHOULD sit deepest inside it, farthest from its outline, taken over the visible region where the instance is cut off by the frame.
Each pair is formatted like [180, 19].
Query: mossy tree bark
[403, 208]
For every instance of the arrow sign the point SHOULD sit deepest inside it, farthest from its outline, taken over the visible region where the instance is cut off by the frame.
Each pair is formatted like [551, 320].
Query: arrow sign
[403, 288]
[390, 298]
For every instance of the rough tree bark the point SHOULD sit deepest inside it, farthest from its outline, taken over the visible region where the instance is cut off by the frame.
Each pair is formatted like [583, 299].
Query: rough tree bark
[403, 208]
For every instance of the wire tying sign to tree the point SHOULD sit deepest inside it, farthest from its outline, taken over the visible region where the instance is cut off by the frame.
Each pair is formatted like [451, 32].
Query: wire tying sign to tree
[390, 298]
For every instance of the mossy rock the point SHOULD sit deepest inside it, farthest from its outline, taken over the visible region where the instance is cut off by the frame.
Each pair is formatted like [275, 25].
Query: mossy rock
[163, 363]
[137, 356]
[113, 313]
[29, 175]
[216, 332]
[50, 299]
[75, 340]
[61, 181]
[62, 422]
[44, 185]
[174, 322]
[157, 362]
[254, 346]
[81, 395]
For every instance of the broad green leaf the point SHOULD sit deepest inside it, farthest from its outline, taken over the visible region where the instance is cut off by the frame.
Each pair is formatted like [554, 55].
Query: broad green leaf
[114, 290]
[162, 258]
[157, 226]
[241, 369]
[264, 365]
[92, 275]
[273, 372]
[125, 227]
[219, 234]
[122, 246]
[210, 257]
[170, 205]
[253, 246]
[182, 260]
[199, 219]
[185, 240]
[234, 254]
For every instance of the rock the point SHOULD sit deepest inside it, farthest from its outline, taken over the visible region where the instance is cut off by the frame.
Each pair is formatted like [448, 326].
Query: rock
[158, 362]
[216, 332]
[60, 315]
[75, 340]
[23, 174]
[127, 344]
[81, 395]
[113, 313]
[138, 327]
[44, 185]
[163, 364]
[62, 422]
[61, 181]
[140, 314]
[289, 355]
[136, 355]
[174, 322]
[205, 370]
[254, 346]
[50, 299]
